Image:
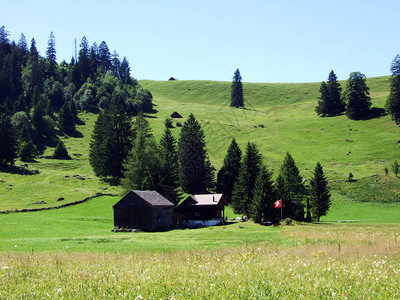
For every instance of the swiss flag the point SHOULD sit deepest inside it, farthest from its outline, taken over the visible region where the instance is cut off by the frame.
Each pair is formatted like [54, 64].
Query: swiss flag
[278, 204]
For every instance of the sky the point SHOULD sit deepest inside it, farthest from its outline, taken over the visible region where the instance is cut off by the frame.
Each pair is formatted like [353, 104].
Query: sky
[268, 41]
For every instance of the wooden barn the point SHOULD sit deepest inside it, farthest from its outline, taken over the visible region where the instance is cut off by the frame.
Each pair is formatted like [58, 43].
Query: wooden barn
[202, 210]
[144, 210]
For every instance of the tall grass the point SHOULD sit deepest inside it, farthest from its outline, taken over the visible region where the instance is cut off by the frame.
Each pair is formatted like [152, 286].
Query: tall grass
[340, 262]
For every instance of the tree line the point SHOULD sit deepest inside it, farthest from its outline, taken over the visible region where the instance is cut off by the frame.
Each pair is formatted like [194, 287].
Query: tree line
[355, 101]
[40, 98]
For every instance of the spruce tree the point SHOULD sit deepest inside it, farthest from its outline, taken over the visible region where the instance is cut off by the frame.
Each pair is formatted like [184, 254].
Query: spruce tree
[323, 103]
[7, 141]
[242, 194]
[111, 139]
[169, 166]
[320, 193]
[229, 172]
[143, 165]
[27, 151]
[192, 155]
[330, 103]
[237, 90]
[393, 100]
[51, 56]
[98, 154]
[66, 119]
[262, 205]
[61, 152]
[357, 97]
[334, 94]
[293, 185]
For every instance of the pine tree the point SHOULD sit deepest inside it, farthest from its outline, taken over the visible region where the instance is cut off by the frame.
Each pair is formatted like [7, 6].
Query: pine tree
[237, 90]
[66, 119]
[98, 155]
[169, 166]
[242, 194]
[330, 103]
[51, 56]
[357, 96]
[293, 185]
[262, 205]
[320, 193]
[334, 94]
[61, 152]
[104, 56]
[192, 155]
[393, 100]
[143, 166]
[111, 140]
[229, 172]
[27, 151]
[7, 140]
[323, 103]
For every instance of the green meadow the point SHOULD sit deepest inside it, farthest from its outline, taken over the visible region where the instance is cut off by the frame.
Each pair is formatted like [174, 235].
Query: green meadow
[353, 253]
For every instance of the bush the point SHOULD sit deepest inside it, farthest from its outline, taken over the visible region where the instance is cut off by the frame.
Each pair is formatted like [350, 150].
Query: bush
[288, 221]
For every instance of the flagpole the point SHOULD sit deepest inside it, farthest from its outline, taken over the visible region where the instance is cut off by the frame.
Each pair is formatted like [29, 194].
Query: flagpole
[281, 209]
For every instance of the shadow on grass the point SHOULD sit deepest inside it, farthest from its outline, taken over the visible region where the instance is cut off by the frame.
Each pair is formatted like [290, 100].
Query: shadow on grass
[16, 170]
[375, 112]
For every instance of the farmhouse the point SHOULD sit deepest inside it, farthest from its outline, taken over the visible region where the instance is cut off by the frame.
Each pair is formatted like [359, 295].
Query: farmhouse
[144, 210]
[202, 210]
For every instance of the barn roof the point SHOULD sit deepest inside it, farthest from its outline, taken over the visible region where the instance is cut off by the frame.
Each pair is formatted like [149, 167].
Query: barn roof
[154, 198]
[151, 197]
[207, 199]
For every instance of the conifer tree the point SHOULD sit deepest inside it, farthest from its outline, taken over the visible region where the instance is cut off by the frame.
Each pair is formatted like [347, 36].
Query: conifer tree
[320, 193]
[7, 140]
[334, 94]
[61, 152]
[357, 96]
[242, 194]
[330, 103]
[192, 155]
[237, 90]
[323, 103]
[111, 140]
[262, 206]
[98, 155]
[293, 185]
[27, 151]
[66, 119]
[393, 100]
[229, 172]
[51, 56]
[143, 165]
[169, 166]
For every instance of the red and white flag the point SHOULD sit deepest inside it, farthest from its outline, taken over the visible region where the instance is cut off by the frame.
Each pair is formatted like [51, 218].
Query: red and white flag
[278, 204]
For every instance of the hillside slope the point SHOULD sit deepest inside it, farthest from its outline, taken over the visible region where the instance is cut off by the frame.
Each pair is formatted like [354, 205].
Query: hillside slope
[277, 117]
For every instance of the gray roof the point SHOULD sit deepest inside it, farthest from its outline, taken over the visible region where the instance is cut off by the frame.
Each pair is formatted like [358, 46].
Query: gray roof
[153, 198]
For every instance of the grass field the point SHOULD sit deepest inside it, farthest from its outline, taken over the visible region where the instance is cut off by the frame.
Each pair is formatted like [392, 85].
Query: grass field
[353, 253]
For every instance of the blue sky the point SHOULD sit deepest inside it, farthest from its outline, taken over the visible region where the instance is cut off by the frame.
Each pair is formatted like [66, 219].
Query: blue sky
[269, 41]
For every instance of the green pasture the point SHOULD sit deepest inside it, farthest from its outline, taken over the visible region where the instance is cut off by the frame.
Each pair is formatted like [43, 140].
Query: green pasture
[278, 117]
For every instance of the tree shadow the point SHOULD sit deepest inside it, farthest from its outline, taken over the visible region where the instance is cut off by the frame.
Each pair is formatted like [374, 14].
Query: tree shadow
[43, 142]
[112, 181]
[374, 113]
[11, 169]
[74, 133]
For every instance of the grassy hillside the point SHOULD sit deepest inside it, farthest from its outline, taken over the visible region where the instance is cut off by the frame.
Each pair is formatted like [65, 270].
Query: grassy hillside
[278, 117]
